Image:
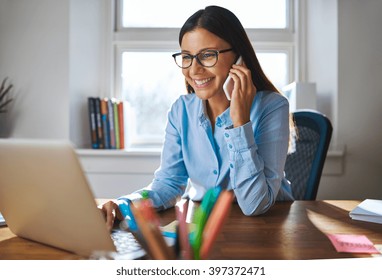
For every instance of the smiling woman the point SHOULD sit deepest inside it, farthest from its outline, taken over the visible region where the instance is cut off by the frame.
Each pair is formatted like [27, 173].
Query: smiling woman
[240, 144]
[144, 41]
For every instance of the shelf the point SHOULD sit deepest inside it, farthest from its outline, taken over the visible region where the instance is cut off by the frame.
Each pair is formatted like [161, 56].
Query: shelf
[119, 153]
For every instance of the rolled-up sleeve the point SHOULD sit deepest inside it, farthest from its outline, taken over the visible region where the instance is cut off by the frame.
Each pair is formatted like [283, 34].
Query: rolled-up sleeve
[257, 158]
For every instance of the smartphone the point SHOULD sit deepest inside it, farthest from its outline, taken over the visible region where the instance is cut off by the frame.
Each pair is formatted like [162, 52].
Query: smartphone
[228, 84]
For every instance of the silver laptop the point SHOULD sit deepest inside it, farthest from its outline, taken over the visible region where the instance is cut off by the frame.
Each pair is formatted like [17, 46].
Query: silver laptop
[45, 197]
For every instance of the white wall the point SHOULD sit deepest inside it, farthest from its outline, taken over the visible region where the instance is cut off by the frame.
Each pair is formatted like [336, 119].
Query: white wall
[360, 97]
[53, 51]
[87, 46]
[34, 51]
[345, 59]
[322, 56]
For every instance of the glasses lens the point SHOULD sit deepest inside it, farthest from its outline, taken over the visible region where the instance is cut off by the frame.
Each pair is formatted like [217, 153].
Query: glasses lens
[183, 60]
[208, 58]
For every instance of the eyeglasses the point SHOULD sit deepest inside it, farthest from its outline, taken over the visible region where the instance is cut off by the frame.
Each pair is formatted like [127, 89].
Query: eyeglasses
[206, 58]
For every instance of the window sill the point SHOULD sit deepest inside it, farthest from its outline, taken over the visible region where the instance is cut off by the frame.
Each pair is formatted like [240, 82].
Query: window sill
[137, 161]
[146, 160]
[112, 173]
[334, 164]
[119, 153]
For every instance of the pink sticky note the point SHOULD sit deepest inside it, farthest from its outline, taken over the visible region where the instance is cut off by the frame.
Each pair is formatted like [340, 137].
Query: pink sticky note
[349, 243]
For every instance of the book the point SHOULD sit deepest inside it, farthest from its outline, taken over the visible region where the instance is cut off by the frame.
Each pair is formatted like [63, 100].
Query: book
[99, 123]
[121, 125]
[92, 122]
[116, 123]
[369, 210]
[105, 123]
[110, 108]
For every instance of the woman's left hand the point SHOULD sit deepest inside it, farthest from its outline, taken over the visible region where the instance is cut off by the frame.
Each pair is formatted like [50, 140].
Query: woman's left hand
[244, 91]
[111, 212]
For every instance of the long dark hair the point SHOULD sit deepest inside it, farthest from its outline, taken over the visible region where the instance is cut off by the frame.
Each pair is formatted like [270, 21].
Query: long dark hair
[224, 24]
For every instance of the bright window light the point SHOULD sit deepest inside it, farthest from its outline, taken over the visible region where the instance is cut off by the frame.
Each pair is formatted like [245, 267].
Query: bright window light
[173, 13]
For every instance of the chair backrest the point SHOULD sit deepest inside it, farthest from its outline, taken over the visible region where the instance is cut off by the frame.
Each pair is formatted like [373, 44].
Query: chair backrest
[303, 168]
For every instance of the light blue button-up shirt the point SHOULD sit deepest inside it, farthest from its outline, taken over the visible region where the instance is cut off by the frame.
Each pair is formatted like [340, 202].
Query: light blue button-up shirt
[249, 159]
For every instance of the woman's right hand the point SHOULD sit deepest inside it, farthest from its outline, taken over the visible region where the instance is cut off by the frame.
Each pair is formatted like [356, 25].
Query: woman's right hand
[243, 93]
[111, 212]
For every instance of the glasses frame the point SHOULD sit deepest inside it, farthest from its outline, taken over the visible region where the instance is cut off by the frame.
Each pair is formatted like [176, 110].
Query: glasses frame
[217, 52]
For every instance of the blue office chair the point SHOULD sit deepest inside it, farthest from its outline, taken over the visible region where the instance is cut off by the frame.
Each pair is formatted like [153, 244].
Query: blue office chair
[303, 168]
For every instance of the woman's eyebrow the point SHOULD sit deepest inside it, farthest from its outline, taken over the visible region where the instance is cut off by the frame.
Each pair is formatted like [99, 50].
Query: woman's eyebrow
[204, 49]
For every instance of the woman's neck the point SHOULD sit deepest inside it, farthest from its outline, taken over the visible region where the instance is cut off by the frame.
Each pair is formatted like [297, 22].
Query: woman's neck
[215, 108]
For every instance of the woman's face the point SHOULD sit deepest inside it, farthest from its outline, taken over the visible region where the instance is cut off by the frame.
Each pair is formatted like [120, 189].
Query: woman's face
[207, 81]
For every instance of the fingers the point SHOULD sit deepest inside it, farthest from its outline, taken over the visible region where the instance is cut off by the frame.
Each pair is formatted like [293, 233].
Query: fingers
[242, 78]
[109, 209]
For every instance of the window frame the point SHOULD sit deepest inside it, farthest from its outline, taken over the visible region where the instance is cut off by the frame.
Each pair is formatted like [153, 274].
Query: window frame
[123, 39]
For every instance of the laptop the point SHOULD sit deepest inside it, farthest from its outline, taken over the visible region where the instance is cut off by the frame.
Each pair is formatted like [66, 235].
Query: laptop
[45, 197]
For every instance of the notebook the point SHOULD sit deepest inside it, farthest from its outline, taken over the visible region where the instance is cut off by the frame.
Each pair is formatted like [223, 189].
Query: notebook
[45, 197]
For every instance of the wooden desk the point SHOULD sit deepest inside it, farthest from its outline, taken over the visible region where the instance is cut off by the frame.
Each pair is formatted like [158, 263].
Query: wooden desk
[289, 230]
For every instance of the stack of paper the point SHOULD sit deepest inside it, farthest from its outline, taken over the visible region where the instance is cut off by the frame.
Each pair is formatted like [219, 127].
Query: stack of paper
[369, 210]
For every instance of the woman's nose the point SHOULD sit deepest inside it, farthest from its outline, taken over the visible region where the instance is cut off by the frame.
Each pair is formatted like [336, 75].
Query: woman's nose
[195, 67]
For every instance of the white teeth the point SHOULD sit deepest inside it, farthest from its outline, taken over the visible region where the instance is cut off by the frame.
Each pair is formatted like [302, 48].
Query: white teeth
[200, 82]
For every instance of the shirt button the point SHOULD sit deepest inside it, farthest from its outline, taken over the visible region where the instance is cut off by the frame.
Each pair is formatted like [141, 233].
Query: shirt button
[226, 135]
[231, 165]
[215, 172]
[230, 146]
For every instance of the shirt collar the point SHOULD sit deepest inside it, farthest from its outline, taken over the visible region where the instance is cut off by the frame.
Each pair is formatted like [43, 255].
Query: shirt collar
[223, 120]
[203, 117]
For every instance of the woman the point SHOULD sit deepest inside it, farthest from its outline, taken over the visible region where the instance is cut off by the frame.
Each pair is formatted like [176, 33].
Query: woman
[239, 144]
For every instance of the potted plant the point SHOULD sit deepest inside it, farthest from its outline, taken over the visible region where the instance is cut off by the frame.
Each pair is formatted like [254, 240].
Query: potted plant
[5, 100]
[4, 96]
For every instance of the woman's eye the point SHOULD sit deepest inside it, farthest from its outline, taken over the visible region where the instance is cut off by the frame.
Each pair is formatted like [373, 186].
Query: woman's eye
[186, 57]
[207, 55]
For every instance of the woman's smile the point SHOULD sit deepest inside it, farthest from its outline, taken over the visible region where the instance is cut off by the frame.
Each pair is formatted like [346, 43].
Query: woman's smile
[200, 83]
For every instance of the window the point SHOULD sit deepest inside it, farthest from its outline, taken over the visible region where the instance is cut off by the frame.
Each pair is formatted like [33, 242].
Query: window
[145, 74]
[252, 13]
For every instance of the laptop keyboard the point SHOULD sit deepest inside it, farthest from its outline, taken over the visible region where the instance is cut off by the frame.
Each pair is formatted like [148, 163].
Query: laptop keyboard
[126, 244]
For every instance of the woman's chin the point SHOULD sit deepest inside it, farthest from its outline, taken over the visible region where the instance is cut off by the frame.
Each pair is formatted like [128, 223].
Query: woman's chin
[204, 94]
